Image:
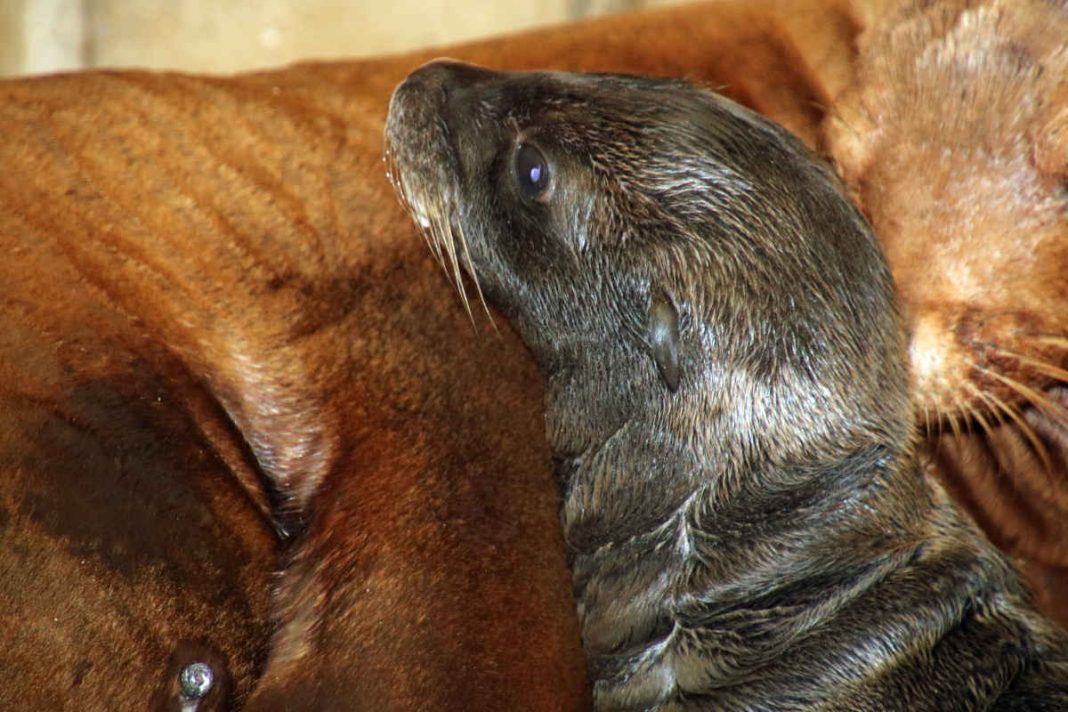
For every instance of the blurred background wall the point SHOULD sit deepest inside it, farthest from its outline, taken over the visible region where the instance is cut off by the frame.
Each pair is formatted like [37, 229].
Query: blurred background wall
[231, 35]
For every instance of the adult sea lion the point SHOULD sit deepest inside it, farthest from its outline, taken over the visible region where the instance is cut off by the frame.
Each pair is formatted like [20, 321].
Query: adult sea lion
[225, 408]
[953, 138]
[727, 401]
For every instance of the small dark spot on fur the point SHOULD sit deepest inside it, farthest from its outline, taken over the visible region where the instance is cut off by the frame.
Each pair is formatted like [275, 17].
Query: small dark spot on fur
[80, 671]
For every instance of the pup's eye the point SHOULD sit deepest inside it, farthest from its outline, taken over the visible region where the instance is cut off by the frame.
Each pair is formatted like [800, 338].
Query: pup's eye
[532, 172]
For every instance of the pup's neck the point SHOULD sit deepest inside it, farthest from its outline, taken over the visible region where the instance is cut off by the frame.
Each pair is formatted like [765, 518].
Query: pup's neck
[676, 523]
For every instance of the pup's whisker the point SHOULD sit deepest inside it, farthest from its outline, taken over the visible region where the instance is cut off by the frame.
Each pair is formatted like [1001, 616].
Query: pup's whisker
[474, 277]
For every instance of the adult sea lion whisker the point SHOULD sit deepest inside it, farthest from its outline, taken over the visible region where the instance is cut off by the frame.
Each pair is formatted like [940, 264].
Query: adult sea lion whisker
[977, 412]
[1013, 412]
[954, 425]
[927, 429]
[1052, 340]
[1030, 395]
[1045, 367]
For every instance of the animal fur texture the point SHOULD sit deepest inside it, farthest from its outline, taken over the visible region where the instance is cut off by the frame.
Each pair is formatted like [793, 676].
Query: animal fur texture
[726, 399]
[163, 233]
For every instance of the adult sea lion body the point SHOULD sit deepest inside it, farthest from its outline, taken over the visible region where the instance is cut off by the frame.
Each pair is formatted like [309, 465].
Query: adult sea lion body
[135, 520]
[727, 401]
[206, 336]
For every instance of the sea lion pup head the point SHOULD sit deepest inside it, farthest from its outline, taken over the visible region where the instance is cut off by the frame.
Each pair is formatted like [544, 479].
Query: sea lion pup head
[656, 244]
[724, 367]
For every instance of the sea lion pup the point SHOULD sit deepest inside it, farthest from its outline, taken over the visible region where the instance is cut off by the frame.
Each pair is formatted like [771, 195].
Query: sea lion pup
[726, 401]
[954, 141]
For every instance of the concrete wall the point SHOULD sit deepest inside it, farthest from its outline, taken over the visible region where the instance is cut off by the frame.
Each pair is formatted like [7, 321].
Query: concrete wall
[41, 35]
[230, 35]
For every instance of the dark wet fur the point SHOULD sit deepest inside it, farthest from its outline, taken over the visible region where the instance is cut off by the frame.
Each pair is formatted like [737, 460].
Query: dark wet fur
[757, 534]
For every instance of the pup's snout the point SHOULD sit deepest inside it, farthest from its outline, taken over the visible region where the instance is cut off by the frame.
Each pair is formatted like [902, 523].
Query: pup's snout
[438, 80]
[432, 95]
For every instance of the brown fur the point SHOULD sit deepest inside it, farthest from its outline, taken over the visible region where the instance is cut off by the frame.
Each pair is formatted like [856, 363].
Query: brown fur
[200, 310]
[213, 307]
[954, 139]
[202, 281]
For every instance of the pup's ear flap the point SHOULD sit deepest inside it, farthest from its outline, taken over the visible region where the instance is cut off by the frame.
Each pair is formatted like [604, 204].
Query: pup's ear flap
[662, 334]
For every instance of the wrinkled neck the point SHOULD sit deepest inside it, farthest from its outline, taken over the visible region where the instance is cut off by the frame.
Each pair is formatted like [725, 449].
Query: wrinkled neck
[630, 451]
[677, 520]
